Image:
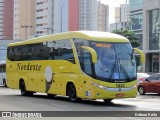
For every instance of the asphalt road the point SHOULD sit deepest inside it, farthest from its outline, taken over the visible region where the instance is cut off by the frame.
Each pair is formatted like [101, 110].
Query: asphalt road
[11, 100]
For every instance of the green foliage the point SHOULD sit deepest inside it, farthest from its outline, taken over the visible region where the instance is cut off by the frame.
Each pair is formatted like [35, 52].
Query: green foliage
[129, 35]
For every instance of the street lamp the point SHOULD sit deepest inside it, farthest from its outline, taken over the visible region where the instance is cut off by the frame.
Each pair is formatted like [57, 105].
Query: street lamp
[26, 26]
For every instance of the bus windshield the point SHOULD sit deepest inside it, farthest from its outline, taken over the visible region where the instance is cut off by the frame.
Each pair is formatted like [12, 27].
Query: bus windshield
[116, 62]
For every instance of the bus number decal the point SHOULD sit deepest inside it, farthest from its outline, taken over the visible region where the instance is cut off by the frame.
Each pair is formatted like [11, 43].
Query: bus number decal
[120, 85]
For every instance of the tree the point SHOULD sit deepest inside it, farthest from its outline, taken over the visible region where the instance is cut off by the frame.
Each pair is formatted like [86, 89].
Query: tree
[129, 35]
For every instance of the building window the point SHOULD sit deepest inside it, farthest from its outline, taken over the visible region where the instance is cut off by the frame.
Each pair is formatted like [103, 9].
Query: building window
[39, 25]
[154, 29]
[136, 5]
[153, 65]
[40, 17]
[39, 32]
[136, 21]
[39, 3]
[39, 10]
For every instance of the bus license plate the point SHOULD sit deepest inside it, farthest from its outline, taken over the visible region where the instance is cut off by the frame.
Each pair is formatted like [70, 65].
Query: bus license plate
[119, 95]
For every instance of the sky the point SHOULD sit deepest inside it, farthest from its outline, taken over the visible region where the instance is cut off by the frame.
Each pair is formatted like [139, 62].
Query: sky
[112, 4]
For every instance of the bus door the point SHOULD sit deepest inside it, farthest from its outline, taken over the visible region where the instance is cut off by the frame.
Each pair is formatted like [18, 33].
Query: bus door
[87, 68]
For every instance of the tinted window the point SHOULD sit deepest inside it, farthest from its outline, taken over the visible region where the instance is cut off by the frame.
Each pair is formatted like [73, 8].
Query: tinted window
[2, 68]
[61, 50]
[153, 77]
[52, 50]
[37, 51]
[159, 77]
[84, 56]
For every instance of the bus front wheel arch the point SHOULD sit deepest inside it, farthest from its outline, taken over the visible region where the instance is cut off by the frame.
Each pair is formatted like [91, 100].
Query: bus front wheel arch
[71, 92]
[23, 90]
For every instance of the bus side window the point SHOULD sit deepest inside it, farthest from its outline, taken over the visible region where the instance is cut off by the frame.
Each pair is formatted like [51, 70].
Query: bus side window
[61, 50]
[80, 53]
[87, 62]
[84, 56]
[11, 53]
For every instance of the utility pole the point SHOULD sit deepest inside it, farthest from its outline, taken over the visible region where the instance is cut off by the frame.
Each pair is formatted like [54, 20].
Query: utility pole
[61, 18]
[26, 26]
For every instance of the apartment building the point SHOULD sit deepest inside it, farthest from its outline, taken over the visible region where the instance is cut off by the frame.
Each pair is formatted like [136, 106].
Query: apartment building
[117, 14]
[6, 19]
[122, 18]
[60, 16]
[51, 16]
[103, 17]
[73, 15]
[24, 19]
[124, 12]
[88, 15]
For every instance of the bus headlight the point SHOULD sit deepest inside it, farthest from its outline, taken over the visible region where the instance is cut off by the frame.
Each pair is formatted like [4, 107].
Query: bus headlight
[102, 87]
[135, 86]
[99, 86]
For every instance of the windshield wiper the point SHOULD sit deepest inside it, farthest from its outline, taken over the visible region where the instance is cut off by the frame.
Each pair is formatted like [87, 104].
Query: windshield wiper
[124, 71]
[120, 68]
[114, 68]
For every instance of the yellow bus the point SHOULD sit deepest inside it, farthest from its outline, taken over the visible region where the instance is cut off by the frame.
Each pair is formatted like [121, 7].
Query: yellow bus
[78, 64]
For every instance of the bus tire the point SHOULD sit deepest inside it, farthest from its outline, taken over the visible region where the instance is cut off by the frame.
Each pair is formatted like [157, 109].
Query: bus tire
[23, 90]
[107, 100]
[4, 82]
[71, 92]
[141, 90]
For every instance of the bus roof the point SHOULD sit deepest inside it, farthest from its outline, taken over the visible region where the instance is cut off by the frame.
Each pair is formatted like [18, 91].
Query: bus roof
[88, 35]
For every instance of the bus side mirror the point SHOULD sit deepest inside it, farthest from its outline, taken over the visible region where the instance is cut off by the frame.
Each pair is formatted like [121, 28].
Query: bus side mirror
[141, 54]
[93, 53]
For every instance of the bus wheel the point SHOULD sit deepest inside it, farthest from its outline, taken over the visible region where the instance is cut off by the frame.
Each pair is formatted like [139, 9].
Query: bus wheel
[107, 100]
[72, 93]
[4, 83]
[141, 90]
[23, 89]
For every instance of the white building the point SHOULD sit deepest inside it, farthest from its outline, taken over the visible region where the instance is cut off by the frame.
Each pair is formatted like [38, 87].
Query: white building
[122, 18]
[88, 15]
[51, 16]
[124, 12]
[103, 17]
